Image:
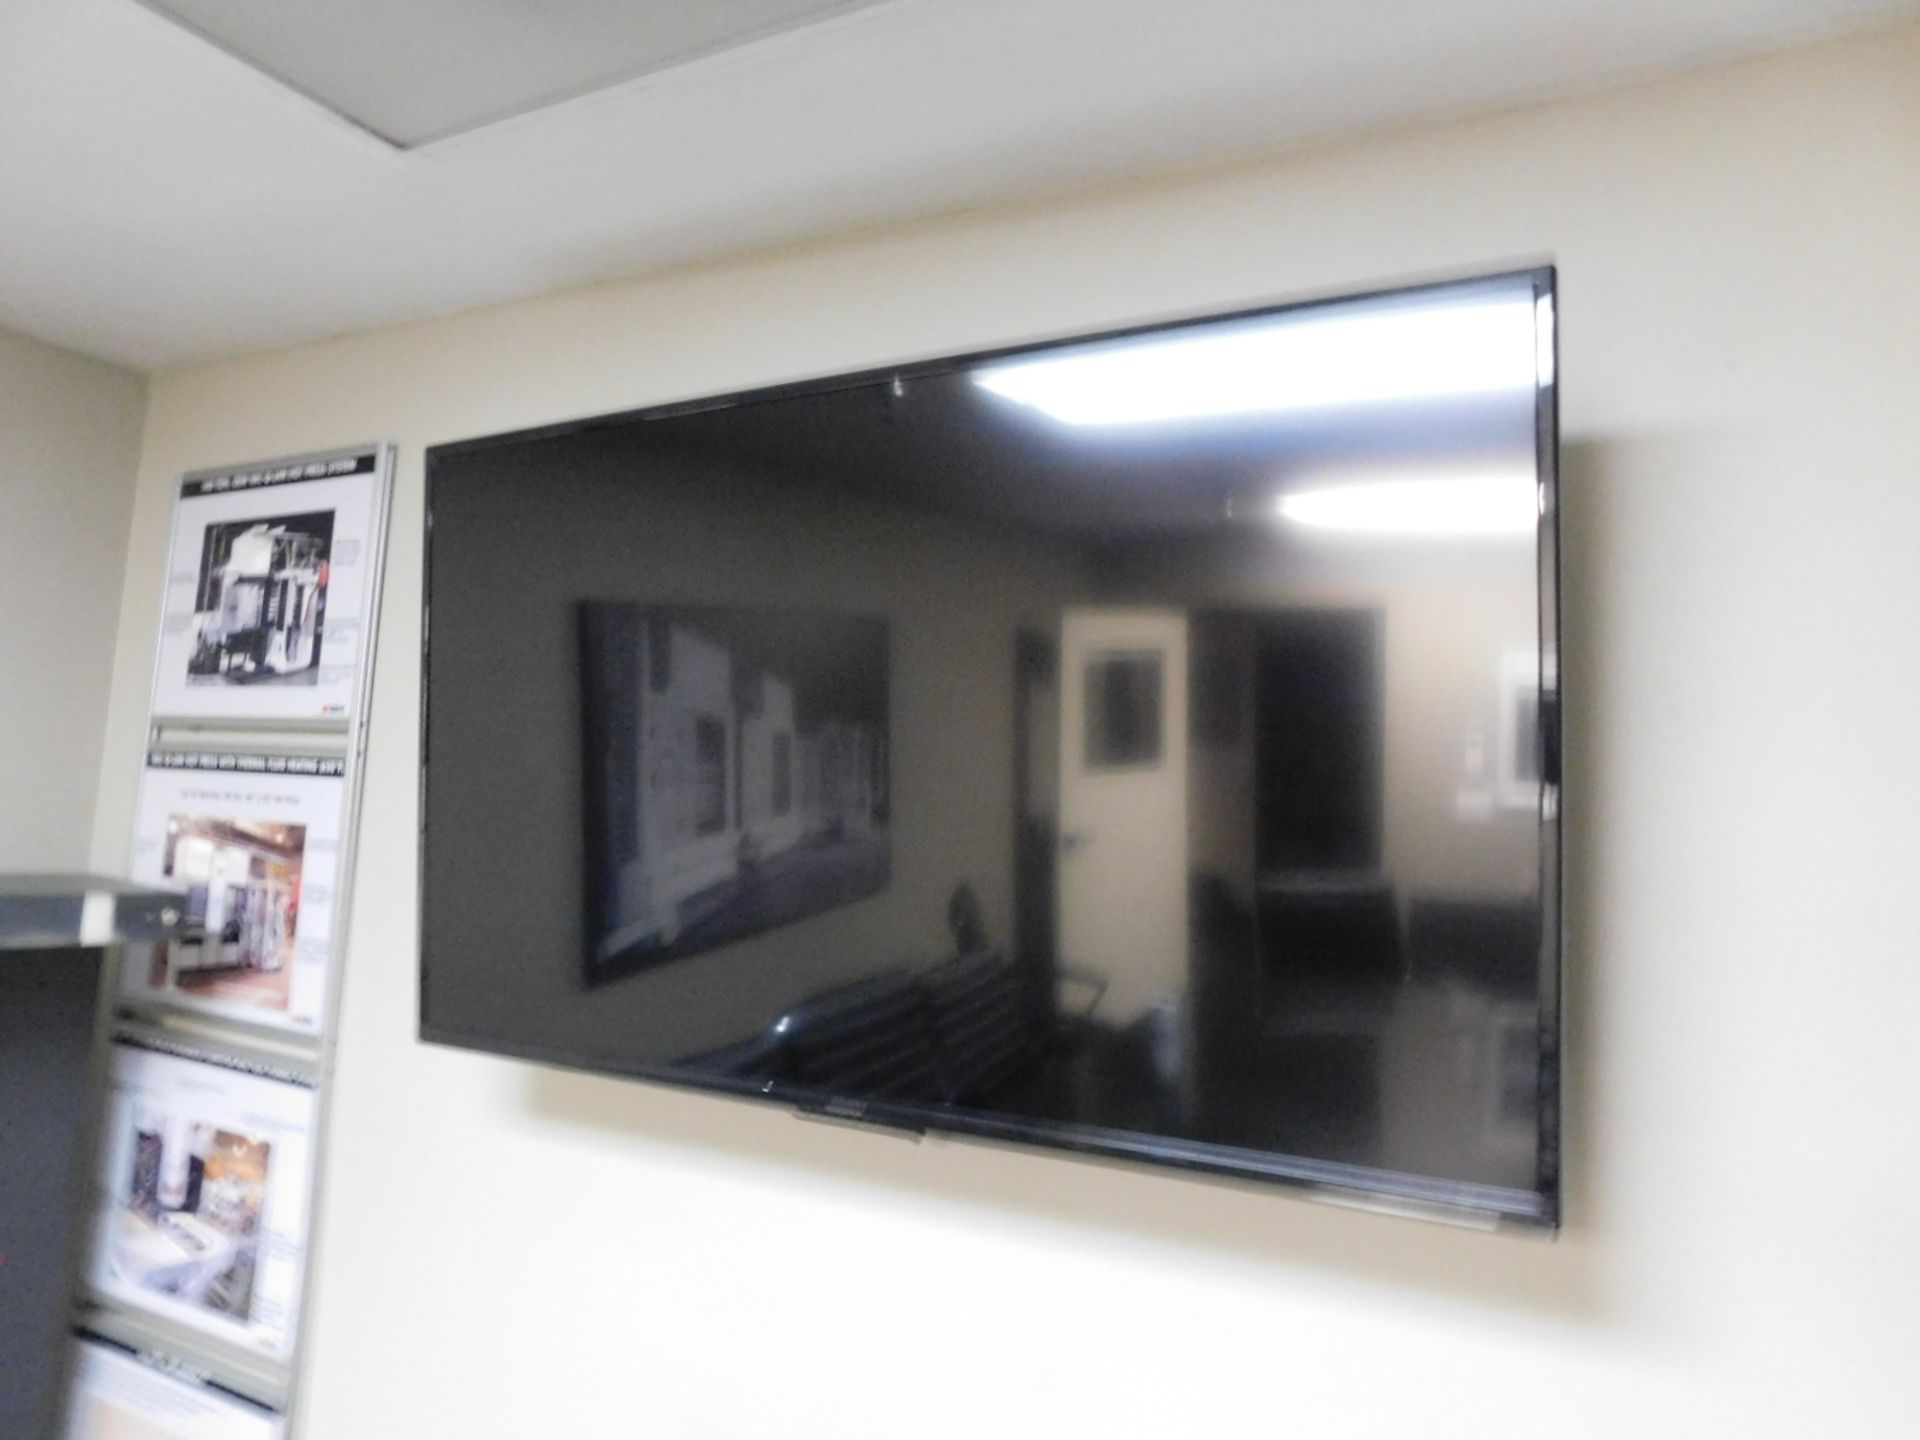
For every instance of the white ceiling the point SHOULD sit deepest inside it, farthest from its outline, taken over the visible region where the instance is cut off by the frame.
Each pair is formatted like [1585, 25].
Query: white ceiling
[163, 202]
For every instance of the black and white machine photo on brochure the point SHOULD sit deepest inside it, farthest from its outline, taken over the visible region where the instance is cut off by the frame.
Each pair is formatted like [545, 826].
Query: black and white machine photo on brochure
[269, 590]
[261, 600]
[116, 1396]
[203, 1196]
[252, 841]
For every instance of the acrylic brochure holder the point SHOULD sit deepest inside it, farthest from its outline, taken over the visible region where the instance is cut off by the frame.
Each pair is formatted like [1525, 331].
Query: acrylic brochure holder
[220, 1041]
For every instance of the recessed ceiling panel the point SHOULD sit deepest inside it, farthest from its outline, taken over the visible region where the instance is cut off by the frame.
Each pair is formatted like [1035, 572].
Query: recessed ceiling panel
[415, 71]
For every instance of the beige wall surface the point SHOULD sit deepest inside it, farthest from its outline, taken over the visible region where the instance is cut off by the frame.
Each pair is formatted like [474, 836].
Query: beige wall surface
[510, 1251]
[69, 450]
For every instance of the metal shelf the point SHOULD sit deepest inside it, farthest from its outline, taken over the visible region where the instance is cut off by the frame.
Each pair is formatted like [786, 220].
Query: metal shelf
[58, 912]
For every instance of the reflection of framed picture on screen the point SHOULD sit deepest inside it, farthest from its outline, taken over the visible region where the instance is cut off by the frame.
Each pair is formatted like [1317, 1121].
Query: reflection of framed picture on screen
[252, 841]
[1526, 680]
[203, 1182]
[269, 589]
[736, 774]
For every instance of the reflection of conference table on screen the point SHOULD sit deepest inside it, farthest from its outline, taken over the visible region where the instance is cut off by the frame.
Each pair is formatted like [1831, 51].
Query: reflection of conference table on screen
[178, 1254]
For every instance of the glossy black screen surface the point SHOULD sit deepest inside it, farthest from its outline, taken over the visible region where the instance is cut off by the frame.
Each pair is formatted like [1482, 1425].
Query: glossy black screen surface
[1146, 745]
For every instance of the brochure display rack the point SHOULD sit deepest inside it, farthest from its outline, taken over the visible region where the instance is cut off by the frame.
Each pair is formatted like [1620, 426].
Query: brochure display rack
[115, 1393]
[221, 1036]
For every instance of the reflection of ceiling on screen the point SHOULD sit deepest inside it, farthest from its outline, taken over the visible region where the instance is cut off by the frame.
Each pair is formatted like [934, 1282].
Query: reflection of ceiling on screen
[941, 441]
[416, 71]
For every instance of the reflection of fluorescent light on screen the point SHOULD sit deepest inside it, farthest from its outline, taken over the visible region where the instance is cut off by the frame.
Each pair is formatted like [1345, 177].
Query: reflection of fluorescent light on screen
[1285, 363]
[1489, 504]
[1543, 338]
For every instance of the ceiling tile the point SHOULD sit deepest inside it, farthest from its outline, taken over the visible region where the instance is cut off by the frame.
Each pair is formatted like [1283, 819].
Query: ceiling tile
[415, 71]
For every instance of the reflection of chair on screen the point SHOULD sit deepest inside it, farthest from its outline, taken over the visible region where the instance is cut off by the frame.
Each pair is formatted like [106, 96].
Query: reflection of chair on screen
[948, 1035]
[1332, 977]
[1329, 937]
[1491, 947]
[982, 1021]
[869, 1039]
[1482, 956]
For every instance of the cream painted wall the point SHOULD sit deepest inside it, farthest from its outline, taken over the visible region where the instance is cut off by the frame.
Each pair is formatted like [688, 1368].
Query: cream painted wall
[69, 450]
[513, 1252]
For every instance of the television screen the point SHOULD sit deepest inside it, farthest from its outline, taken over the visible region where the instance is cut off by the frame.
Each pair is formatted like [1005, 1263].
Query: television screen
[1145, 745]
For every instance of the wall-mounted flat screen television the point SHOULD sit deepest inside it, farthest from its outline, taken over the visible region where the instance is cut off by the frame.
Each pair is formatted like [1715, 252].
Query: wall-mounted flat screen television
[1144, 745]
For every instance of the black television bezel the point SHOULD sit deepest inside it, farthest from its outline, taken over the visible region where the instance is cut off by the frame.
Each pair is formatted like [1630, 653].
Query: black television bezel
[1460, 1202]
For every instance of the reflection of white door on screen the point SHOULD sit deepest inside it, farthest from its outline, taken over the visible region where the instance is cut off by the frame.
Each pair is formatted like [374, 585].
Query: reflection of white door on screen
[1123, 803]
